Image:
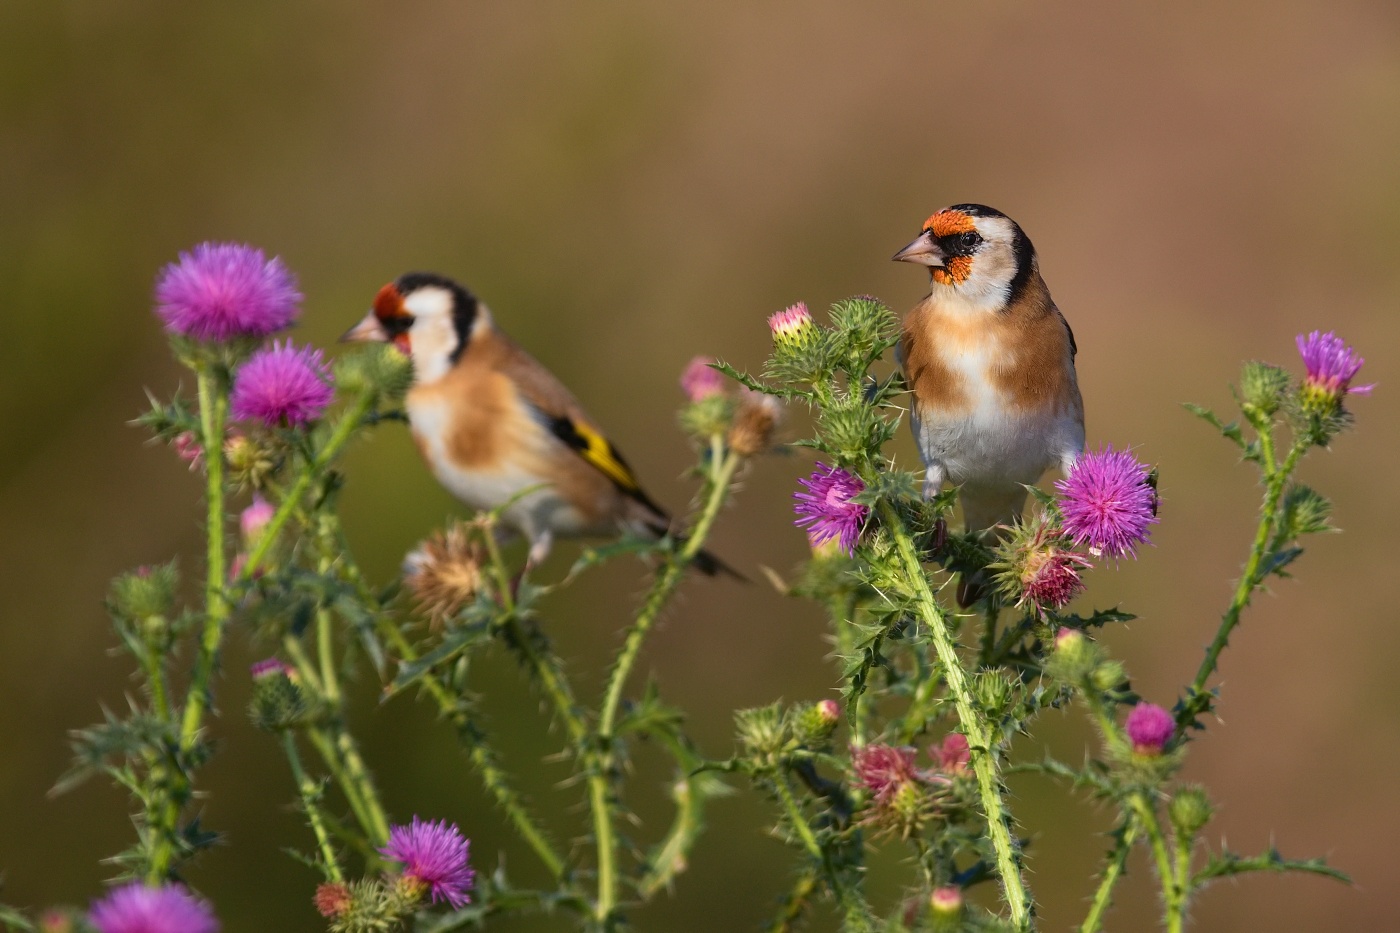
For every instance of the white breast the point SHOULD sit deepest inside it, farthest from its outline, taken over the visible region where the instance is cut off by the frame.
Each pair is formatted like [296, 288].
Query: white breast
[537, 508]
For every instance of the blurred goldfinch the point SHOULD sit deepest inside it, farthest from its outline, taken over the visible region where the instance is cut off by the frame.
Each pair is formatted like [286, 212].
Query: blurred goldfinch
[990, 362]
[492, 422]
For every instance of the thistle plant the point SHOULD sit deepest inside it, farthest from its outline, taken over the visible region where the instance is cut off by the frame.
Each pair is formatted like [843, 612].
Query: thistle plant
[915, 669]
[913, 756]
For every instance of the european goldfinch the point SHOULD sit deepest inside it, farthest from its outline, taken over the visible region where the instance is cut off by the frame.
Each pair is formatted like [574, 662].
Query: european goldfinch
[989, 360]
[495, 425]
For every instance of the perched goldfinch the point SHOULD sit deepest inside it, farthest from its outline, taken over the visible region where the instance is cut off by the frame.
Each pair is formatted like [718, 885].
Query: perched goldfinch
[990, 362]
[492, 422]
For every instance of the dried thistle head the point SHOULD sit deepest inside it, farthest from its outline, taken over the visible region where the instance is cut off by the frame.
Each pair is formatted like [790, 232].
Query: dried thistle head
[755, 422]
[445, 572]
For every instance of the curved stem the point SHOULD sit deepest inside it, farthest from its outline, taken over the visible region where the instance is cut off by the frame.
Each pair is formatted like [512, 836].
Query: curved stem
[665, 585]
[1275, 481]
[1113, 870]
[984, 764]
[309, 801]
[722, 472]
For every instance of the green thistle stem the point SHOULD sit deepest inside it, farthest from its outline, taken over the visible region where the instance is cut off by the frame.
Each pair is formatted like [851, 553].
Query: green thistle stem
[722, 469]
[1173, 892]
[310, 802]
[350, 419]
[211, 419]
[1113, 870]
[1275, 480]
[984, 763]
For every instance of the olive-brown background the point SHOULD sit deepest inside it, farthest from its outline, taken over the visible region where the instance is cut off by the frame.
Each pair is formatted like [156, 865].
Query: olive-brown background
[629, 184]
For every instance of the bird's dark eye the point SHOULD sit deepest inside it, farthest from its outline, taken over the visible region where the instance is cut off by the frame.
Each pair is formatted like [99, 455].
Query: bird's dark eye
[396, 325]
[969, 240]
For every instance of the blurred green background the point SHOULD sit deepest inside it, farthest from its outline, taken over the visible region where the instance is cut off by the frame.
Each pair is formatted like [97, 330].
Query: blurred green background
[629, 184]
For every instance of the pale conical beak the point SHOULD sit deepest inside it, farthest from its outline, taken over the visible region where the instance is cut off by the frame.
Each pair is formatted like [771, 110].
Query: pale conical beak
[923, 251]
[366, 331]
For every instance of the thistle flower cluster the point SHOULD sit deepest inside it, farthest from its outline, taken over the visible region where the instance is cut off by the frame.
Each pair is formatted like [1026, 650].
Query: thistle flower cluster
[1107, 505]
[829, 510]
[434, 859]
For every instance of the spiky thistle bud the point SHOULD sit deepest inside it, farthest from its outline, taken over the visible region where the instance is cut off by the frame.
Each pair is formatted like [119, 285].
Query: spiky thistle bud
[1190, 811]
[1262, 388]
[278, 701]
[250, 463]
[1035, 568]
[814, 724]
[792, 327]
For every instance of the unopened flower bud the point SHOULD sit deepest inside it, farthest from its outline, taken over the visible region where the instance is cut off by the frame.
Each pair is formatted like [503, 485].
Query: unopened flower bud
[146, 593]
[278, 702]
[1190, 811]
[1262, 386]
[946, 901]
[56, 920]
[250, 463]
[700, 380]
[255, 519]
[332, 900]
[189, 449]
[815, 724]
[791, 327]
[754, 423]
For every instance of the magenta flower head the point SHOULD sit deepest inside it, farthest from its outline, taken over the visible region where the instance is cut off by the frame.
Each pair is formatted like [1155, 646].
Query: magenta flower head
[1331, 366]
[792, 325]
[1107, 502]
[282, 385]
[700, 381]
[826, 509]
[270, 667]
[136, 908]
[219, 291]
[884, 769]
[953, 754]
[1149, 727]
[434, 855]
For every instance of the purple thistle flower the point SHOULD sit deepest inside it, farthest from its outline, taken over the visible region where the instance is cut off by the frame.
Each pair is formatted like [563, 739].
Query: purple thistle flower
[219, 291]
[1149, 728]
[136, 908]
[1051, 578]
[269, 667]
[1108, 503]
[700, 381]
[826, 508]
[282, 384]
[1331, 366]
[433, 854]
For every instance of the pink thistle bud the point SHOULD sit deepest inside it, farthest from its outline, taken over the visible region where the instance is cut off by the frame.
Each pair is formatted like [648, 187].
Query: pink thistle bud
[700, 380]
[829, 710]
[791, 326]
[332, 900]
[952, 754]
[188, 449]
[946, 901]
[1149, 728]
[270, 667]
[1067, 639]
[255, 519]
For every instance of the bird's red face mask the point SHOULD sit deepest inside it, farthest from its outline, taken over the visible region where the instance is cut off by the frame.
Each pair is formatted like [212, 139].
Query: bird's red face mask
[388, 321]
[941, 247]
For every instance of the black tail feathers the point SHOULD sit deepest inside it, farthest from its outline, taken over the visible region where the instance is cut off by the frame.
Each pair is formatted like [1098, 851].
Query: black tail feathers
[705, 561]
